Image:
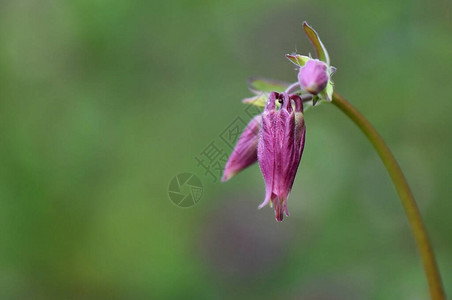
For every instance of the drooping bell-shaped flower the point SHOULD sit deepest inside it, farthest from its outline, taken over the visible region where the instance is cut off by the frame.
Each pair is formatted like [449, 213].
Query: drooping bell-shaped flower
[245, 152]
[313, 76]
[281, 144]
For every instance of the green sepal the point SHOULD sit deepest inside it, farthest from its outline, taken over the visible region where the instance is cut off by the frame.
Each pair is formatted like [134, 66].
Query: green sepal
[320, 49]
[327, 93]
[258, 85]
[315, 98]
[298, 59]
[258, 100]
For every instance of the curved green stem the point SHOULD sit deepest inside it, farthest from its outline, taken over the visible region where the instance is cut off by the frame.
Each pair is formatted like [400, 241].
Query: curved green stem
[400, 183]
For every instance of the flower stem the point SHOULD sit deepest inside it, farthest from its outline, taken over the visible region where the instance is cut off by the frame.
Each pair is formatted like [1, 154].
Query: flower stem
[408, 202]
[292, 88]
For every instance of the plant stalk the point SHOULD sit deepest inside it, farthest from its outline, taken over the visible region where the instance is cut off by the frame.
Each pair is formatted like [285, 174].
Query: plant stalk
[408, 202]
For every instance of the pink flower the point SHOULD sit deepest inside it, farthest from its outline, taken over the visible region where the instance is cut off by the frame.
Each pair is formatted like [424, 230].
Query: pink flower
[281, 144]
[313, 76]
[245, 152]
[276, 139]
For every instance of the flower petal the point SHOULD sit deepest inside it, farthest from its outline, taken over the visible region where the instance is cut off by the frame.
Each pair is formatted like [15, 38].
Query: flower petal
[266, 146]
[245, 152]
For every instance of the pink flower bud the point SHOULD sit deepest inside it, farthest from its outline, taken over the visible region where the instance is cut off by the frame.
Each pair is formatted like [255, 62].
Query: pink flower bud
[281, 144]
[245, 152]
[313, 76]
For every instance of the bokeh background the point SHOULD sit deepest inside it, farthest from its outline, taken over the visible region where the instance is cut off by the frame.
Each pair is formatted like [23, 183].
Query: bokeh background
[103, 102]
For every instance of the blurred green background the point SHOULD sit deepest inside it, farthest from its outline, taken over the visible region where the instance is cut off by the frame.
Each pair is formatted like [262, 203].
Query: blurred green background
[103, 102]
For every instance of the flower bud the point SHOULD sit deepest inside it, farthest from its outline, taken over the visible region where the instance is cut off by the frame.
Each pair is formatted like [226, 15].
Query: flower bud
[313, 76]
[281, 144]
[245, 152]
